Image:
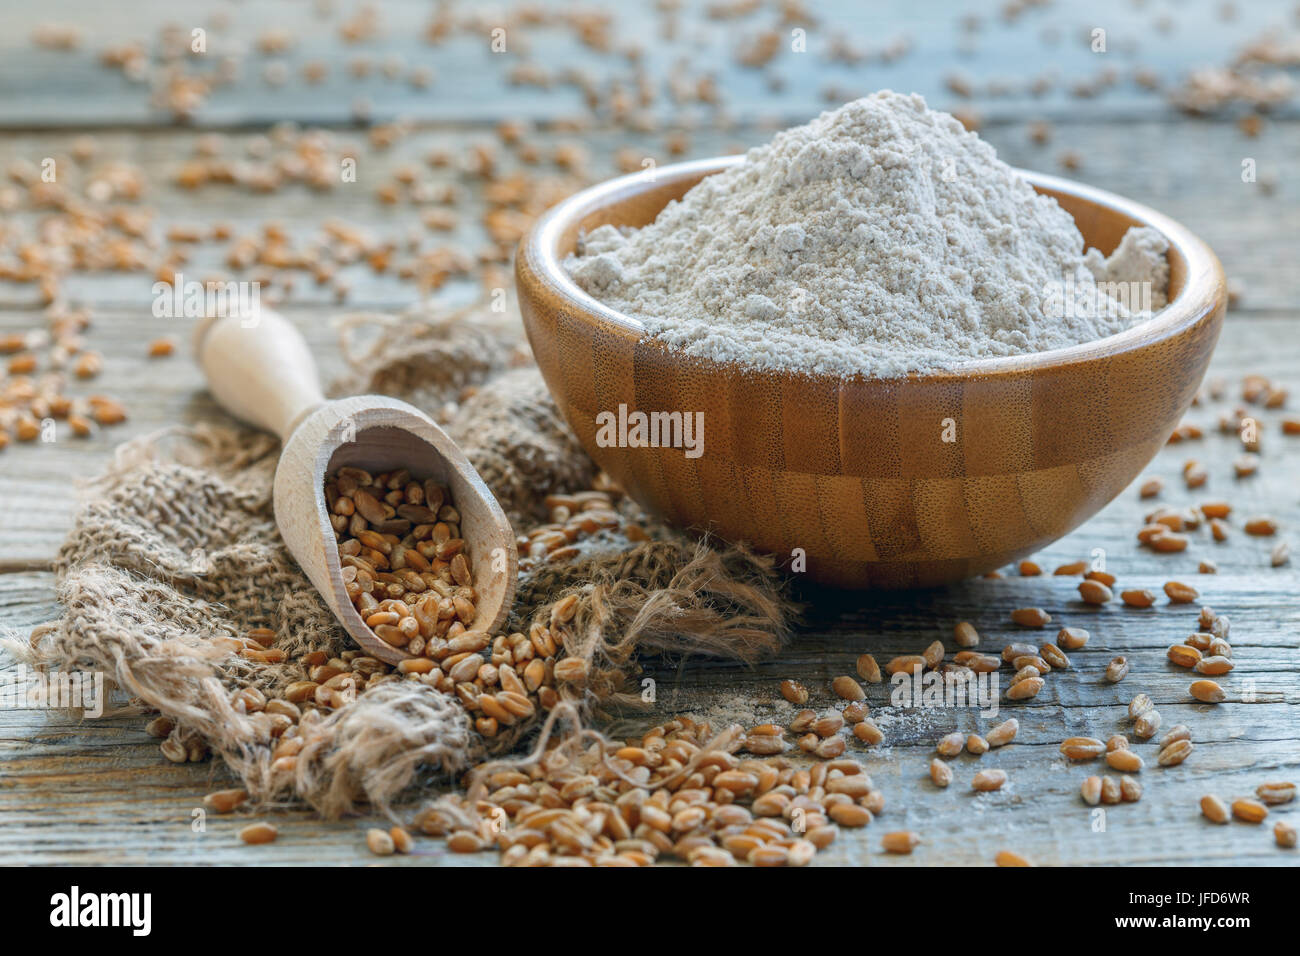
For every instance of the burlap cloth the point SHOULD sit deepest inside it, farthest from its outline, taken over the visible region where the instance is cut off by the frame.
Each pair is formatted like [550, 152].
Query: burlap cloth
[174, 549]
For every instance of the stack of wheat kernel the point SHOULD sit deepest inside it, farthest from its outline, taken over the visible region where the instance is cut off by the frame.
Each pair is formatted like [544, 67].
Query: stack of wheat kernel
[33, 385]
[500, 687]
[1169, 529]
[404, 561]
[1256, 809]
[1207, 652]
[410, 578]
[679, 791]
[551, 798]
[572, 518]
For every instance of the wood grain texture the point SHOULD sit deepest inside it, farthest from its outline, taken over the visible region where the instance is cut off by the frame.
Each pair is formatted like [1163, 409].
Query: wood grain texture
[99, 792]
[1187, 169]
[472, 84]
[1201, 188]
[894, 503]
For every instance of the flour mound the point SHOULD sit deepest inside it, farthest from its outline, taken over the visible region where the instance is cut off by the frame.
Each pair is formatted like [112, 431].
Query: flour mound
[879, 239]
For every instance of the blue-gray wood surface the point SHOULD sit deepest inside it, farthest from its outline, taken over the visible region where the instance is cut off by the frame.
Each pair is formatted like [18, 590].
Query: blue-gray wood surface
[99, 791]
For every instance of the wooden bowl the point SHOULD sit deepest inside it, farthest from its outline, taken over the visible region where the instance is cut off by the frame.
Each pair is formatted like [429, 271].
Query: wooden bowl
[851, 474]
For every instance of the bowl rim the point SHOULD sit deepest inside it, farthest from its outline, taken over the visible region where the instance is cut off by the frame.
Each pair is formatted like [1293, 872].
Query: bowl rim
[1202, 294]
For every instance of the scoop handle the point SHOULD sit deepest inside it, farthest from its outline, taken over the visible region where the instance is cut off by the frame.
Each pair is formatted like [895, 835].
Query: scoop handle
[259, 368]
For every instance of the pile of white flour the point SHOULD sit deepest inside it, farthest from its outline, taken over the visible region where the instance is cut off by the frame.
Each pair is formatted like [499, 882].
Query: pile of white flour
[880, 238]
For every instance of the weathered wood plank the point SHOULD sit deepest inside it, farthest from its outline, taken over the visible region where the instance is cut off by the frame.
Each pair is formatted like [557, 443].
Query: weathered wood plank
[1243, 224]
[64, 782]
[472, 82]
[1187, 169]
[161, 393]
[27, 599]
[86, 794]
[71, 808]
[99, 792]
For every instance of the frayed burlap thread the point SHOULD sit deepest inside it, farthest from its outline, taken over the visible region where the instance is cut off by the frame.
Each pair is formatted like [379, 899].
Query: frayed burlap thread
[671, 596]
[174, 552]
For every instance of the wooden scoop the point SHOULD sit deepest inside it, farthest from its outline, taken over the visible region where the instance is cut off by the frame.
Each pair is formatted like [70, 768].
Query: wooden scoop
[260, 369]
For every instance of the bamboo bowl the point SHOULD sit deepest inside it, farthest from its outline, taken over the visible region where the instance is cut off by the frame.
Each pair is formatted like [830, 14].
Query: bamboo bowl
[851, 474]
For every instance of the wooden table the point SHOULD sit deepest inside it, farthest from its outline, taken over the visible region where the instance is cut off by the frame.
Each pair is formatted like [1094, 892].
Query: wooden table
[99, 792]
